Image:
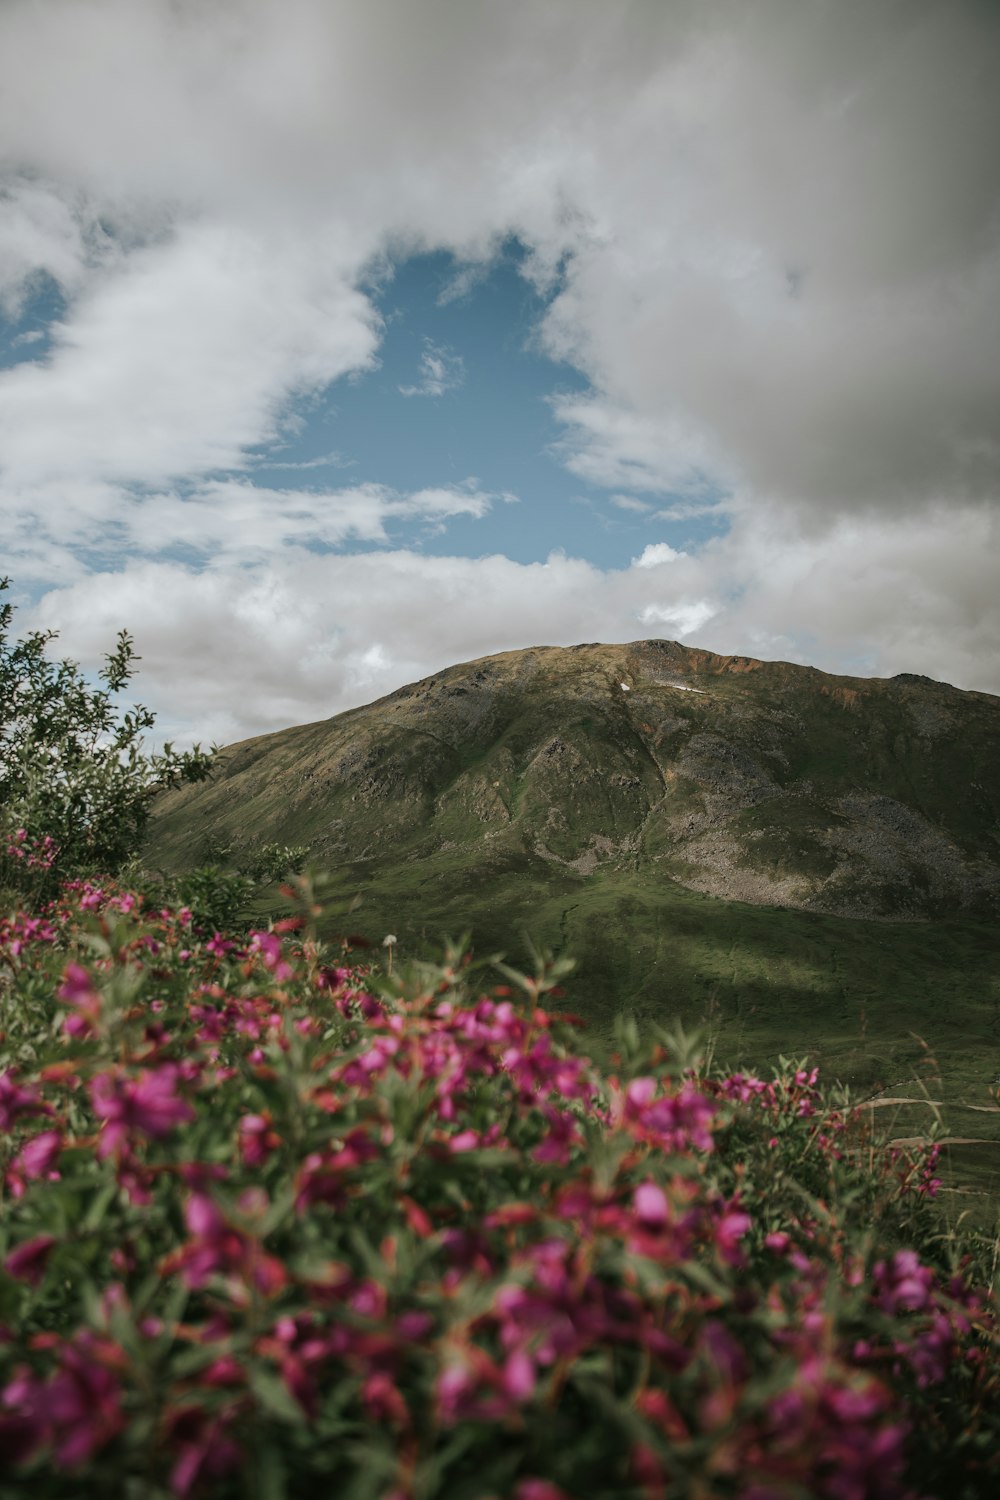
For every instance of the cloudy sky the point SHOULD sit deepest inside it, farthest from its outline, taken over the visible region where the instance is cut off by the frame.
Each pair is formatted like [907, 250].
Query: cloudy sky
[341, 340]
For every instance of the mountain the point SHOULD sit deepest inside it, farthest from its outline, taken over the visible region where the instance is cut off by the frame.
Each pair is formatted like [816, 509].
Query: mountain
[598, 797]
[756, 781]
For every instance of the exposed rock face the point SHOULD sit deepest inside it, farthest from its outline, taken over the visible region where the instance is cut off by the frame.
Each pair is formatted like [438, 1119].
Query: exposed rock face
[757, 781]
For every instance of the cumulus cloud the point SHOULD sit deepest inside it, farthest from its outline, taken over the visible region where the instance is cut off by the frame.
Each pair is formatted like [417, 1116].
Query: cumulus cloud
[771, 235]
[781, 227]
[184, 359]
[656, 554]
[39, 236]
[230, 651]
[440, 370]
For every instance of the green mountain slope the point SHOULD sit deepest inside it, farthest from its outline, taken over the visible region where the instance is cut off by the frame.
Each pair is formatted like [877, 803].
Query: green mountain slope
[600, 797]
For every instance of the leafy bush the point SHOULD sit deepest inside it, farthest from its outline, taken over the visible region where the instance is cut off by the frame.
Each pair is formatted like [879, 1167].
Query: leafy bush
[216, 898]
[75, 781]
[263, 862]
[269, 862]
[277, 1227]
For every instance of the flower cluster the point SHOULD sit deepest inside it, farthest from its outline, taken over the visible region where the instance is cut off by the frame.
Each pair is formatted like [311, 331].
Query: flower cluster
[273, 1226]
[31, 853]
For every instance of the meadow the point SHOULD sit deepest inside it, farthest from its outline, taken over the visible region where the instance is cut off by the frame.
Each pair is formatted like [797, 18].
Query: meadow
[275, 1220]
[885, 1009]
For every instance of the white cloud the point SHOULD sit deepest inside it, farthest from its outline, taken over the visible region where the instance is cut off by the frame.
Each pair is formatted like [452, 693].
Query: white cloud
[778, 232]
[630, 503]
[613, 446]
[784, 268]
[184, 359]
[39, 235]
[440, 370]
[231, 520]
[241, 520]
[684, 618]
[655, 554]
[231, 650]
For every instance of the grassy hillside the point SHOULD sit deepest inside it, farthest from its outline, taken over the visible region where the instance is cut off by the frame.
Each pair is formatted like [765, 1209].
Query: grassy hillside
[803, 862]
[862, 997]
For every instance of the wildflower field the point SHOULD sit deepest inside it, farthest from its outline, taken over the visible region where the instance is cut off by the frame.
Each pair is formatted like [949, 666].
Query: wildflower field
[278, 1224]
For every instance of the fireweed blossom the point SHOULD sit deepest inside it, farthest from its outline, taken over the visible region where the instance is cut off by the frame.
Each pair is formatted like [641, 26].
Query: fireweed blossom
[37, 1158]
[79, 991]
[313, 1203]
[16, 1102]
[147, 1105]
[30, 1260]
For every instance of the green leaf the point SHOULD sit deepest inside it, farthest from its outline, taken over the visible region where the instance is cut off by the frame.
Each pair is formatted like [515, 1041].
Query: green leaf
[275, 1397]
[94, 1216]
[269, 1478]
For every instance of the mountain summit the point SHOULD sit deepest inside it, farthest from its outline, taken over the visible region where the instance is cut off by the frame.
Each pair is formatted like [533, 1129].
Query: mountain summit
[759, 782]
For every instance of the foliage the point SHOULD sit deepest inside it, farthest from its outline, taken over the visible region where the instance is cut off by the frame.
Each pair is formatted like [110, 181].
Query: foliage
[274, 1226]
[215, 897]
[75, 781]
[262, 862]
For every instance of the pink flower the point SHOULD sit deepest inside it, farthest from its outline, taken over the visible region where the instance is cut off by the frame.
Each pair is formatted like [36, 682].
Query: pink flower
[383, 1401]
[29, 1261]
[563, 1132]
[216, 1248]
[204, 1449]
[78, 1409]
[84, 1401]
[25, 1427]
[466, 1140]
[650, 1206]
[256, 1139]
[92, 898]
[675, 1122]
[267, 945]
[519, 1378]
[79, 990]
[903, 1285]
[639, 1094]
[729, 1230]
[15, 1101]
[148, 1104]
[219, 946]
[37, 1158]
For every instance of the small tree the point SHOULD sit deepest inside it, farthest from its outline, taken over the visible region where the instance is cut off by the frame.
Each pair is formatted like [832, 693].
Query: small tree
[75, 781]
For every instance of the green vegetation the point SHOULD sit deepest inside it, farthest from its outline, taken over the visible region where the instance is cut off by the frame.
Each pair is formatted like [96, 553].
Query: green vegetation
[75, 781]
[875, 1003]
[277, 1226]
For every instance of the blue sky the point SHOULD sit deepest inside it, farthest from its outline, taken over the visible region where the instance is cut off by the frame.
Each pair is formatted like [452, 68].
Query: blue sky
[339, 344]
[461, 393]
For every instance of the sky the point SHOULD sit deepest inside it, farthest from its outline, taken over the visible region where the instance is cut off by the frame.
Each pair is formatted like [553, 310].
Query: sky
[343, 340]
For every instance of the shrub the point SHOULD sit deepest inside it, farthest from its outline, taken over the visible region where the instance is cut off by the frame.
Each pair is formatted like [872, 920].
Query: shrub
[75, 781]
[275, 1227]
